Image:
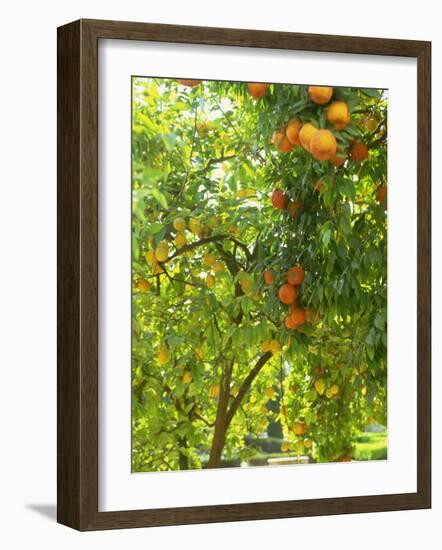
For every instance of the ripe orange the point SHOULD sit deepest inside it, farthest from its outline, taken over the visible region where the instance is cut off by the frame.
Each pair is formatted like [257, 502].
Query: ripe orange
[189, 83]
[358, 151]
[287, 293]
[338, 114]
[381, 194]
[323, 145]
[268, 277]
[295, 208]
[285, 145]
[290, 322]
[306, 133]
[320, 94]
[279, 199]
[257, 89]
[281, 142]
[292, 130]
[298, 315]
[295, 275]
[277, 137]
[339, 158]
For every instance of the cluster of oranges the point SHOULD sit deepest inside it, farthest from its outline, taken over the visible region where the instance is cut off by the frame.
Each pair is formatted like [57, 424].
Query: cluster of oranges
[319, 142]
[287, 293]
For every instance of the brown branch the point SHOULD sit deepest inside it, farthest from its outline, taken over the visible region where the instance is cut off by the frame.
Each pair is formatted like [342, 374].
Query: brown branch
[211, 162]
[196, 244]
[245, 386]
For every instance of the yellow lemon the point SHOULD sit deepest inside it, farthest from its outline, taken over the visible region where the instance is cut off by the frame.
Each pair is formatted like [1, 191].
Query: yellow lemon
[180, 239]
[320, 386]
[275, 346]
[163, 355]
[187, 377]
[179, 224]
[265, 346]
[210, 281]
[298, 428]
[142, 285]
[150, 257]
[161, 254]
[218, 266]
[194, 226]
[209, 259]
[269, 393]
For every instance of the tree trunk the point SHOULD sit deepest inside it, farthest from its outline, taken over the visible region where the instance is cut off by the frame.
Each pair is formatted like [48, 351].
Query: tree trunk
[183, 460]
[220, 422]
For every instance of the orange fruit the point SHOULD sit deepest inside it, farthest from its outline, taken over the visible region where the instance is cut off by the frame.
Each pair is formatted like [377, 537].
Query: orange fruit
[285, 146]
[257, 89]
[305, 134]
[381, 194]
[358, 151]
[298, 315]
[323, 145]
[214, 391]
[295, 208]
[268, 277]
[339, 158]
[287, 293]
[290, 322]
[299, 428]
[292, 130]
[338, 114]
[320, 94]
[277, 137]
[279, 199]
[281, 142]
[295, 275]
[189, 83]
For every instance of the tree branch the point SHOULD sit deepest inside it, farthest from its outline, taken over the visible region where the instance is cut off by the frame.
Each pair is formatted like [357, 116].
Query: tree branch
[245, 386]
[222, 158]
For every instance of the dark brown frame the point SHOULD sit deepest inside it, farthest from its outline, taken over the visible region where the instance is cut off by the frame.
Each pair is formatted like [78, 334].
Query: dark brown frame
[78, 268]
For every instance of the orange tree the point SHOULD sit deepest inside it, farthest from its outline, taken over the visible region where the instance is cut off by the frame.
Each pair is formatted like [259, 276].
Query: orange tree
[259, 269]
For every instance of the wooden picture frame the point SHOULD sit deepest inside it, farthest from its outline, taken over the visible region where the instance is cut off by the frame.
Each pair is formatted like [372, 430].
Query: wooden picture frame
[78, 274]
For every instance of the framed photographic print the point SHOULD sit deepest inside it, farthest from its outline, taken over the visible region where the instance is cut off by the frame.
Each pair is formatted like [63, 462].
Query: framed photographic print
[243, 275]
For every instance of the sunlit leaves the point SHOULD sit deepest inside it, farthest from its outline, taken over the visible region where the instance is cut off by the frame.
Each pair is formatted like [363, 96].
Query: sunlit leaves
[205, 154]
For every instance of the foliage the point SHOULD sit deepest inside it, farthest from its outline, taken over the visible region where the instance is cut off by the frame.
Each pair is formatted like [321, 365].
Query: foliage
[213, 361]
[371, 446]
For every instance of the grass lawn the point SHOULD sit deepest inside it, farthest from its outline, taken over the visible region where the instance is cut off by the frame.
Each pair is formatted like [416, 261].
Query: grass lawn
[370, 446]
